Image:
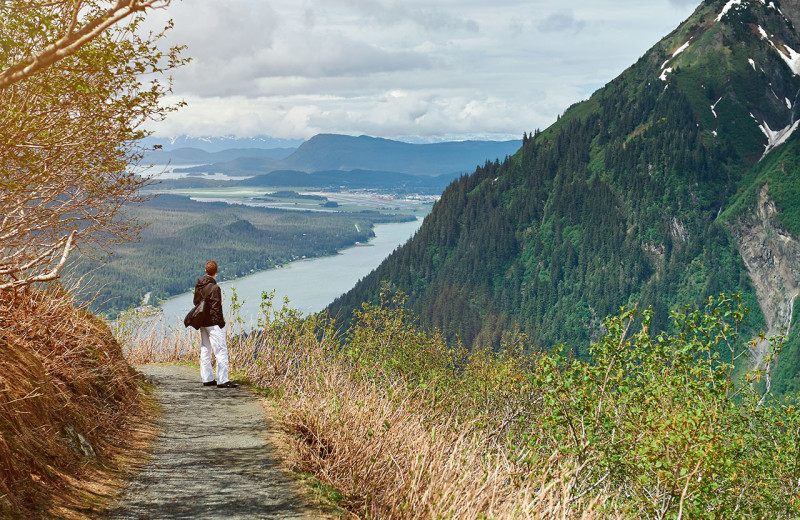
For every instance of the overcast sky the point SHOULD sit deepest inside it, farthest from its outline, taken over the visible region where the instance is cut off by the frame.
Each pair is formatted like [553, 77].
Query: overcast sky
[401, 69]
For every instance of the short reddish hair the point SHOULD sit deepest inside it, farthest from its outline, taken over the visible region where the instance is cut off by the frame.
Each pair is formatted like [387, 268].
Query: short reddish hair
[211, 268]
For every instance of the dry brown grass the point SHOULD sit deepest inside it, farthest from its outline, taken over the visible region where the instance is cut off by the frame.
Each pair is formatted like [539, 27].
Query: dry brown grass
[148, 345]
[404, 426]
[393, 458]
[383, 448]
[67, 398]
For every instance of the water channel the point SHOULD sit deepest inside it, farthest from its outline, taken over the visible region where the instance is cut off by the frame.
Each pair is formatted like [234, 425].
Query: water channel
[310, 285]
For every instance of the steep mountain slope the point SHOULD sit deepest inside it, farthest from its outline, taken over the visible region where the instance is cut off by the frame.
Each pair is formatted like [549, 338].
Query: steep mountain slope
[636, 196]
[767, 235]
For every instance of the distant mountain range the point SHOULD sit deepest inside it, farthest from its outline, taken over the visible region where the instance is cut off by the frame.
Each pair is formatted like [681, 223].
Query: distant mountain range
[189, 155]
[219, 143]
[341, 152]
[327, 152]
[328, 179]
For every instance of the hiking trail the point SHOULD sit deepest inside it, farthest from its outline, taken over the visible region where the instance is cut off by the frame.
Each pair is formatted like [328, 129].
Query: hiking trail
[216, 458]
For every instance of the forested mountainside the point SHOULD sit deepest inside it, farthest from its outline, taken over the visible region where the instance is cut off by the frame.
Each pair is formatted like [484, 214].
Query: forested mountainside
[646, 194]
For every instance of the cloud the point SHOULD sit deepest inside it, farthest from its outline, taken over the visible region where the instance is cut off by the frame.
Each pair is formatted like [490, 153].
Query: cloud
[426, 114]
[309, 19]
[333, 55]
[225, 29]
[247, 51]
[398, 13]
[516, 27]
[563, 21]
[294, 68]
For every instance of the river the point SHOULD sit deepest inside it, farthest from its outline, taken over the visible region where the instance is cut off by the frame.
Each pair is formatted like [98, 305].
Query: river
[310, 285]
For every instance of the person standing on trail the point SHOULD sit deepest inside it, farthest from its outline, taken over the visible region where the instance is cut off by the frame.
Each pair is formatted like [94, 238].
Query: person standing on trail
[211, 334]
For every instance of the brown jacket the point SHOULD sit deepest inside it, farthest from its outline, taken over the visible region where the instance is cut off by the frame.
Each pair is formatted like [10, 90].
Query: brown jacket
[208, 289]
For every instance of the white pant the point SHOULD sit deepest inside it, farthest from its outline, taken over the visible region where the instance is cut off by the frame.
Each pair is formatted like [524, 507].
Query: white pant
[213, 338]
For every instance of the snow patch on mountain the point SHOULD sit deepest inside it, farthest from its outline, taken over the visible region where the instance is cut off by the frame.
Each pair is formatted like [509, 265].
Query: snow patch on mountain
[681, 48]
[732, 3]
[665, 71]
[775, 138]
[787, 54]
[773, 6]
[752, 63]
[727, 8]
[793, 60]
[714, 108]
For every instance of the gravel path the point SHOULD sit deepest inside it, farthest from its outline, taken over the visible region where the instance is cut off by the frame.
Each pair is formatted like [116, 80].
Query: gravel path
[214, 458]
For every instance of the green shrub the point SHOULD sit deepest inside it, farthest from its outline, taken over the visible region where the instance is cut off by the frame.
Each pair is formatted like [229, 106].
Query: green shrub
[655, 424]
[660, 417]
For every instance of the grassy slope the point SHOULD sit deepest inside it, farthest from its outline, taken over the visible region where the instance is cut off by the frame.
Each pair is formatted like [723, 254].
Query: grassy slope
[405, 426]
[68, 404]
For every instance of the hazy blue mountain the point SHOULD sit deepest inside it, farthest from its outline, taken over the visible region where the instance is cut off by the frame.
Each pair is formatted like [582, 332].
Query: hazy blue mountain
[190, 155]
[245, 165]
[327, 152]
[219, 143]
[342, 152]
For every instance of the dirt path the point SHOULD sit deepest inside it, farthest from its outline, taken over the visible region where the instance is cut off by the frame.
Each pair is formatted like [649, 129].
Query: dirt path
[214, 458]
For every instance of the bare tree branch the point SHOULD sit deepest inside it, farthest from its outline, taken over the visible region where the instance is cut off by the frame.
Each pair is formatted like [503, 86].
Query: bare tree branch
[50, 276]
[72, 41]
[72, 114]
